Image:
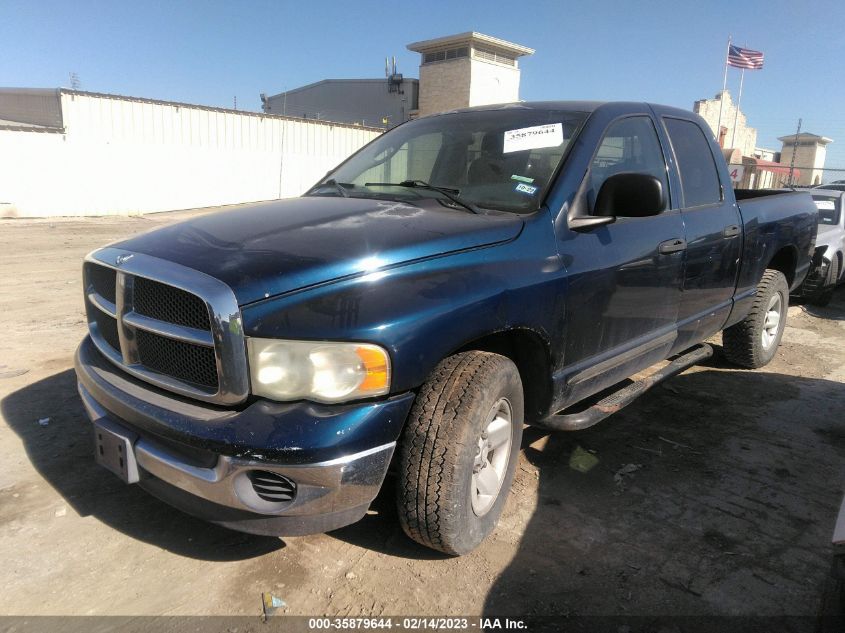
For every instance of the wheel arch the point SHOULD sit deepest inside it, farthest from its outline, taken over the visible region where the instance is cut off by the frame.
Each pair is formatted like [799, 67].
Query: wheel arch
[531, 354]
[785, 261]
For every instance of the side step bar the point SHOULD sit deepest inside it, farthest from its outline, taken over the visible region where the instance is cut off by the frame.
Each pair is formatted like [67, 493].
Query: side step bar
[615, 401]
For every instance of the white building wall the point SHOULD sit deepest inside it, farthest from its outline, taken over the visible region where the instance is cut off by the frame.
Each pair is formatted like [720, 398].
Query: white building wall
[493, 83]
[122, 155]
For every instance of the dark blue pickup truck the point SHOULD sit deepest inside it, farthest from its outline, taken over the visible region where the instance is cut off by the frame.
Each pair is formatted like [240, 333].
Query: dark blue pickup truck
[458, 277]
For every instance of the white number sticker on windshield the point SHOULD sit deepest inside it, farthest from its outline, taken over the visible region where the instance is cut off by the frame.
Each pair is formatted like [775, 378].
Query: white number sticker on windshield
[550, 135]
[825, 205]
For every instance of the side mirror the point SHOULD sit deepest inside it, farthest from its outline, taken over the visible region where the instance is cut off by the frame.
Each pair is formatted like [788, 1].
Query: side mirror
[630, 195]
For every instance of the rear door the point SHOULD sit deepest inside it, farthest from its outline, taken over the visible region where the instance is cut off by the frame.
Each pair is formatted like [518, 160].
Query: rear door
[713, 228]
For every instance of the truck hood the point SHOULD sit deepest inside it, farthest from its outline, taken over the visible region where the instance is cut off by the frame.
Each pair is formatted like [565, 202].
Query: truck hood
[271, 248]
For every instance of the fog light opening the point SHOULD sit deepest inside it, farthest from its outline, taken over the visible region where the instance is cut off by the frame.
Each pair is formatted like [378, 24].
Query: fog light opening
[272, 487]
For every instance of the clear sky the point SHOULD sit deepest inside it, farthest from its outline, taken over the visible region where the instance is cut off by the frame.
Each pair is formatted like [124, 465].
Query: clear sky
[667, 52]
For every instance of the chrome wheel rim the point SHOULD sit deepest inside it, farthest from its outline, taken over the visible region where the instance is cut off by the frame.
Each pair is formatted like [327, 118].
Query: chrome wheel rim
[492, 454]
[771, 322]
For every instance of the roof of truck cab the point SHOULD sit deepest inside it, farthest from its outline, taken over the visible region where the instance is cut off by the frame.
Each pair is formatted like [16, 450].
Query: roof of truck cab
[574, 106]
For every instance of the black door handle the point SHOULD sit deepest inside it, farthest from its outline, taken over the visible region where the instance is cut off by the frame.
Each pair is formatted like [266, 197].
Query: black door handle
[731, 230]
[672, 246]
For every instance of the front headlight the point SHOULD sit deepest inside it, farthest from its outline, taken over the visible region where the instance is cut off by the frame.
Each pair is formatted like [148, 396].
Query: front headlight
[324, 372]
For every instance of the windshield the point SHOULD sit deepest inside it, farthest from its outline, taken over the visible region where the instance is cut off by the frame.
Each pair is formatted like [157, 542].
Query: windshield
[495, 159]
[829, 209]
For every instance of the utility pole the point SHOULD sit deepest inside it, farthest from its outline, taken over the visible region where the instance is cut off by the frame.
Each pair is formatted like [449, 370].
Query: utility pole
[236, 102]
[74, 81]
[794, 150]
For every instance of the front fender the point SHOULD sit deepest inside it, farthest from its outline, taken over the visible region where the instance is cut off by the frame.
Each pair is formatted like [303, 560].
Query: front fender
[423, 311]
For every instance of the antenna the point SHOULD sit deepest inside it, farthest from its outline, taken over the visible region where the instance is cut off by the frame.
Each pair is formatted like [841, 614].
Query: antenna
[74, 81]
[394, 79]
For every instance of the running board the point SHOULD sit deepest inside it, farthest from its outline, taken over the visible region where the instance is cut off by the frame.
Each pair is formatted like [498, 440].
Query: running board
[612, 403]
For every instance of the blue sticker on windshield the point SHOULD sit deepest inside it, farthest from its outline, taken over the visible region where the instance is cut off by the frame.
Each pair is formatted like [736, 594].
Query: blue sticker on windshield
[523, 188]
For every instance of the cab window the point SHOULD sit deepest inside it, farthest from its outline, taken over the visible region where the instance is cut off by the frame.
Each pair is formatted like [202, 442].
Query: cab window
[629, 145]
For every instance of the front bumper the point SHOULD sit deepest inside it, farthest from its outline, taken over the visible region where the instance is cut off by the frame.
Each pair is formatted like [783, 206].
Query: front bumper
[816, 280]
[198, 457]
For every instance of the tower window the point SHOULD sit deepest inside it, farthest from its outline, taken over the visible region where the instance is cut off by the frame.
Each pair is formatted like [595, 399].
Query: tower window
[451, 53]
[493, 56]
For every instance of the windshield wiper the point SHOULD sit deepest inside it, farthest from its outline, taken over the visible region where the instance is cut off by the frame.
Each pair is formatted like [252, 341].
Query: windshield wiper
[452, 194]
[331, 182]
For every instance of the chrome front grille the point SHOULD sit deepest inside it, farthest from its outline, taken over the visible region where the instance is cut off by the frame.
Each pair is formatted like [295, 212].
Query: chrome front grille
[172, 305]
[169, 325]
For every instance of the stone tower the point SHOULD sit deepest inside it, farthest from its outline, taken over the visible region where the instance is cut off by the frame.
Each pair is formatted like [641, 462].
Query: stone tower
[467, 69]
[810, 151]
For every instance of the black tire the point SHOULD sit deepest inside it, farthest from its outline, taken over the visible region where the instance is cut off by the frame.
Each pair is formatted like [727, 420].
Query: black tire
[743, 343]
[826, 294]
[439, 449]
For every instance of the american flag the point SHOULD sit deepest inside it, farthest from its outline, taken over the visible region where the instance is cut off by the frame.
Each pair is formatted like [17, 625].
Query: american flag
[739, 57]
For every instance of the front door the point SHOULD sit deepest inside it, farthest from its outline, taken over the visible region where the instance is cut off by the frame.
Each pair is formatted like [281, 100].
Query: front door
[625, 277]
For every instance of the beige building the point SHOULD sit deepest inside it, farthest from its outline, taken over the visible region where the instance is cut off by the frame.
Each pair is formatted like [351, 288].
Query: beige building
[468, 69]
[810, 151]
[734, 132]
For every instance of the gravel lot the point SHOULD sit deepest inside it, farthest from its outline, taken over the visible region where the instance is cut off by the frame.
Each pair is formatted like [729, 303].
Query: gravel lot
[715, 494]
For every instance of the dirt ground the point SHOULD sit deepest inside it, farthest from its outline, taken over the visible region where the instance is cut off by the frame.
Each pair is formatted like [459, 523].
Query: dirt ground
[714, 494]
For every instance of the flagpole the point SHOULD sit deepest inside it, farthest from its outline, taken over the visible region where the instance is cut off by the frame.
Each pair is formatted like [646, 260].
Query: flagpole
[722, 94]
[738, 101]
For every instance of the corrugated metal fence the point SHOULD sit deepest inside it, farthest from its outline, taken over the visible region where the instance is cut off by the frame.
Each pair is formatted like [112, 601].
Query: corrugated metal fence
[119, 155]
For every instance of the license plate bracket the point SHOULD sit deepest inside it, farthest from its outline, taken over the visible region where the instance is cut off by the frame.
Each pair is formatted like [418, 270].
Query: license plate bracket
[113, 449]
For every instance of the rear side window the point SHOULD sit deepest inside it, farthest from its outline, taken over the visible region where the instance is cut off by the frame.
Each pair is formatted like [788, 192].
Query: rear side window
[699, 178]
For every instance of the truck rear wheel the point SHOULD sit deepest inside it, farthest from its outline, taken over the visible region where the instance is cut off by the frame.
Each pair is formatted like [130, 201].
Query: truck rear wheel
[753, 342]
[459, 450]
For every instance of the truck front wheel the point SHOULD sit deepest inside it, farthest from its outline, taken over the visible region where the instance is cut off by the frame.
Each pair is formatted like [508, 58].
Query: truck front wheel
[754, 341]
[458, 451]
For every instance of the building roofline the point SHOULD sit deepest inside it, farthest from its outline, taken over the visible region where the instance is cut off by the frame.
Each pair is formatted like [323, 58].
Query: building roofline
[180, 104]
[470, 37]
[806, 136]
[330, 81]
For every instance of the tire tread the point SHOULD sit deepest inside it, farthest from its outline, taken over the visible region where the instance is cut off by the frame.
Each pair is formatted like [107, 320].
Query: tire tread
[740, 342]
[429, 442]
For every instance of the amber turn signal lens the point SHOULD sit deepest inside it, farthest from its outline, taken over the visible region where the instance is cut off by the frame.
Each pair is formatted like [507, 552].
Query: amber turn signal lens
[376, 365]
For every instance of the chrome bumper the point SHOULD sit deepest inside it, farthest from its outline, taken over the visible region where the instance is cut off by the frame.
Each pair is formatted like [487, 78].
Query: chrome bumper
[323, 488]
